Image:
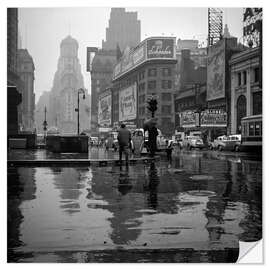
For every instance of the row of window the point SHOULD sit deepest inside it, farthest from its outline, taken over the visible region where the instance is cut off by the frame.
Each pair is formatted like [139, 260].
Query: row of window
[153, 72]
[152, 85]
[242, 77]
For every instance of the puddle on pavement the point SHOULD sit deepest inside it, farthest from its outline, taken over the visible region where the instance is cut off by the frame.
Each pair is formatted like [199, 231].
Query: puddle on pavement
[145, 205]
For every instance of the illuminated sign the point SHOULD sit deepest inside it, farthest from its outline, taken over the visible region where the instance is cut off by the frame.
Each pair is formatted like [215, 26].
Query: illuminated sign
[252, 22]
[152, 48]
[187, 119]
[160, 48]
[128, 103]
[213, 118]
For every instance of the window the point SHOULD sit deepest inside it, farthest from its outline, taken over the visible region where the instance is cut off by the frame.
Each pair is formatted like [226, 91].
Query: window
[152, 72]
[141, 75]
[256, 74]
[257, 129]
[166, 72]
[166, 84]
[166, 109]
[251, 129]
[239, 78]
[166, 96]
[244, 78]
[152, 85]
[257, 103]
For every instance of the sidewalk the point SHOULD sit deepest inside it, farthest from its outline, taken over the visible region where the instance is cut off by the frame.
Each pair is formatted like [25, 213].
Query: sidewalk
[97, 156]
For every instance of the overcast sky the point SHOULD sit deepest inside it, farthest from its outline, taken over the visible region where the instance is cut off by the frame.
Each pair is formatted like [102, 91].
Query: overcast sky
[42, 30]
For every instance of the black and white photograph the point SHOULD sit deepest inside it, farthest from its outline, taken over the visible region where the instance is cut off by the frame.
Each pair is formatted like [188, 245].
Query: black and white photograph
[134, 133]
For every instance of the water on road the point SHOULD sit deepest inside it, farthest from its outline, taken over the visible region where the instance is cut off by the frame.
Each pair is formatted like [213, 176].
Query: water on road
[206, 201]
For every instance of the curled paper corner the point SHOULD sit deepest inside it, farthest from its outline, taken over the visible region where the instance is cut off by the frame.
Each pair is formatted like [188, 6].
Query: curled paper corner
[250, 252]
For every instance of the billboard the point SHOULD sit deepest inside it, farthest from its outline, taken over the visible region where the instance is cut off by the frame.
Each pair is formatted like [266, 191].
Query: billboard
[188, 119]
[213, 118]
[160, 48]
[216, 71]
[151, 48]
[105, 109]
[128, 103]
[252, 24]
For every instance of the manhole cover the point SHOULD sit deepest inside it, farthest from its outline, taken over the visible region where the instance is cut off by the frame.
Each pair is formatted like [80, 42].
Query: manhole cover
[201, 177]
[206, 193]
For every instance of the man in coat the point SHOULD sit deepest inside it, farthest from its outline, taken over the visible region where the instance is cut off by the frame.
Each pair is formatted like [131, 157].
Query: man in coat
[124, 139]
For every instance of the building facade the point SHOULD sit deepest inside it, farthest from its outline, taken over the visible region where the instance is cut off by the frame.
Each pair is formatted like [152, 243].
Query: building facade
[246, 93]
[219, 80]
[148, 70]
[64, 93]
[26, 70]
[14, 84]
[124, 30]
[101, 76]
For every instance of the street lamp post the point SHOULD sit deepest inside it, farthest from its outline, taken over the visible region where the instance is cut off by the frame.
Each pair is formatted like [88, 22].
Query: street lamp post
[80, 91]
[45, 124]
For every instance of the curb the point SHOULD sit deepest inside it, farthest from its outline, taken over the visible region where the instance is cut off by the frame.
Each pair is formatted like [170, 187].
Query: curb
[77, 162]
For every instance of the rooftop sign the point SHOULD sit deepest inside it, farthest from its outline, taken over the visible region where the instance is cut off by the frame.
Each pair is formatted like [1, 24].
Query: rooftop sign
[149, 49]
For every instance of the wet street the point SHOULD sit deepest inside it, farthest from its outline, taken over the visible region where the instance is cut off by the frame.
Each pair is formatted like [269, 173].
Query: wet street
[195, 210]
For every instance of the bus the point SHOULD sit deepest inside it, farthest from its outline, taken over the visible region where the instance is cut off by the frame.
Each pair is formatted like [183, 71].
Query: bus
[251, 131]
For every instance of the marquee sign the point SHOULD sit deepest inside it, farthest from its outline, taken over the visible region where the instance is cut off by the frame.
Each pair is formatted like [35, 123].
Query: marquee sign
[213, 118]
[160, 48]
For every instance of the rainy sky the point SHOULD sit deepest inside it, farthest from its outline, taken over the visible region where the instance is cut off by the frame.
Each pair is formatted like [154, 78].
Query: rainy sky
[42, 30]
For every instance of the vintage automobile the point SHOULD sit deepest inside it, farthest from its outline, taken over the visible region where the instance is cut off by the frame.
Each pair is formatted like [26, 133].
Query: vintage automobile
[191, 142]
[230, 143]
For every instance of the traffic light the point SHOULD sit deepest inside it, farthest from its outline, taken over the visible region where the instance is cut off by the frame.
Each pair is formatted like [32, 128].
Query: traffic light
[152, 106]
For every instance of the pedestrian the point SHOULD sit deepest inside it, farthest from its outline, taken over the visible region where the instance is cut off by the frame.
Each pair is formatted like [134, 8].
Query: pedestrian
[152, 140]
[124, 139]
[169, 150]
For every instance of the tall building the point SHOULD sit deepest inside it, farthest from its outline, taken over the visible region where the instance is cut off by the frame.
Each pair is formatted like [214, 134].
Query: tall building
[101, 75]
[124, 29]
[147, 70]
[26, 72]
[14, 84]
[64, 94]
[124, 32]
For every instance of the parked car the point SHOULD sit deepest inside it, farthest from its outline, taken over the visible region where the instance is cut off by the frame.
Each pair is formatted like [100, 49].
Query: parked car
[191, 142]
[93, 141]
[230, 143]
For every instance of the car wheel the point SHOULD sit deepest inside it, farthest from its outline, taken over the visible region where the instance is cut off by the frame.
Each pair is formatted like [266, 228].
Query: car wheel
[220, 148]
[211, 147]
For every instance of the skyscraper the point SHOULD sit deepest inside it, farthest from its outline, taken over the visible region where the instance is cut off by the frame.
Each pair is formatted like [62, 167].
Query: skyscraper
[124, 29]
[26, 70]
[63, 98]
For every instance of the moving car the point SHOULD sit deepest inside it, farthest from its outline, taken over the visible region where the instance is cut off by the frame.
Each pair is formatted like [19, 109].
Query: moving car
[191, 142]
[230, 143]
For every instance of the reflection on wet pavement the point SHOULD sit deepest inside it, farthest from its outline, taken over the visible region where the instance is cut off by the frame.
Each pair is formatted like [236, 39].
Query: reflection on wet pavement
[202, 202]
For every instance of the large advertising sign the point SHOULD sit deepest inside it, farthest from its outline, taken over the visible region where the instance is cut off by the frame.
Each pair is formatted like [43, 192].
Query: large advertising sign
[160, 48]
[216, 71]
[252, 20]
[187, 119]
[105, 110]
[152, 48]
[128, 103]
[213, 118]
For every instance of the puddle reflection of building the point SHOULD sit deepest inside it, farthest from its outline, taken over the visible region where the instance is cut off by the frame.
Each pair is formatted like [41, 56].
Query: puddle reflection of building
[123, 203]
[21, 187]
[68, 181]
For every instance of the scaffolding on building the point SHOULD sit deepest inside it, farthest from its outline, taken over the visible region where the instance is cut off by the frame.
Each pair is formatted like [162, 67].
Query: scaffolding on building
[215, 25]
